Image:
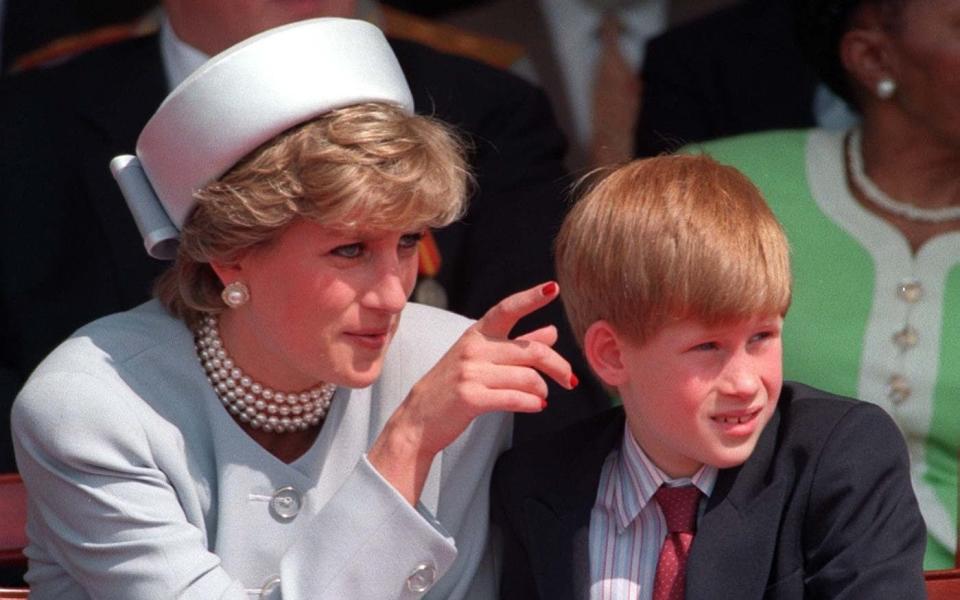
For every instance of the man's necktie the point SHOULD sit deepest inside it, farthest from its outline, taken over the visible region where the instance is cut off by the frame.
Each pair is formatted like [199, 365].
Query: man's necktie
[616, 99]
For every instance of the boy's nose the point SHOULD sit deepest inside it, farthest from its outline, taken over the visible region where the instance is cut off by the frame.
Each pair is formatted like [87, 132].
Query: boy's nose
[741, 378]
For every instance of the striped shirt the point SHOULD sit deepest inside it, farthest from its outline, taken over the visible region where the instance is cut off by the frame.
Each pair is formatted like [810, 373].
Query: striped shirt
[627, 527]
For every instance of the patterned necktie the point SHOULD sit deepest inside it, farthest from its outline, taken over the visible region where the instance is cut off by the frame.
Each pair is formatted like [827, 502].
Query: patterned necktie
[616, 99]
[679, 506]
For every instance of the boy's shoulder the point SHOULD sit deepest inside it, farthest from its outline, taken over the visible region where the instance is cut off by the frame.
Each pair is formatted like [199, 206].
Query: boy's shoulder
[809, 413]
[575, 453]
[819, 425]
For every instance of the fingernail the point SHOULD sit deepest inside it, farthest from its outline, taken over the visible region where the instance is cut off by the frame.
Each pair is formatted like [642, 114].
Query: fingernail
[574, 382]
[549, 289]
[543, 403]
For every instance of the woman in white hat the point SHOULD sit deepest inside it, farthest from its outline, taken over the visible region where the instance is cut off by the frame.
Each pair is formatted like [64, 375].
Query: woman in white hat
[280, 422]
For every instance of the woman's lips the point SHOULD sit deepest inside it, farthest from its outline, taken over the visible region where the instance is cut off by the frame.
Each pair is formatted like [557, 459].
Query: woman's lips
[374, 340]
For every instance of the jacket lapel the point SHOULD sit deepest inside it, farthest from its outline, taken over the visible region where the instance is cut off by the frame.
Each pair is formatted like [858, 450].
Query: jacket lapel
[558, 520]
[734, 545]
[132, 85]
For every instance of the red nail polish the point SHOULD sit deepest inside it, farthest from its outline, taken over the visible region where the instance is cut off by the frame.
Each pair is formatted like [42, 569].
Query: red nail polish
[574, 382]
[543, 403]
[549, 289]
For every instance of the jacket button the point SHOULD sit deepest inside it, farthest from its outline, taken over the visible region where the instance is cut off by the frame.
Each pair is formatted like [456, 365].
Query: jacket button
[422, 578]
[286, 503]
[269, 586]
[910, 291]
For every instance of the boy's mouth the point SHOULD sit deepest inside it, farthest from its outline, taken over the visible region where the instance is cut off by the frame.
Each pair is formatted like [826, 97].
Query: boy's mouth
[737, 418]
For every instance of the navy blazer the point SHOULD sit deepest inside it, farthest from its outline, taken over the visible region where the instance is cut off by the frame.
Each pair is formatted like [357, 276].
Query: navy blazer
[823, 508]
[70, 251]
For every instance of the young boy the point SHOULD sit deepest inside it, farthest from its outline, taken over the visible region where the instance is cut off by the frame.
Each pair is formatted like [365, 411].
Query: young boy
[676, 279]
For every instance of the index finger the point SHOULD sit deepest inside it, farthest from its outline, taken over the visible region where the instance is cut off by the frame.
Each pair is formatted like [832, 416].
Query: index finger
[499, 320]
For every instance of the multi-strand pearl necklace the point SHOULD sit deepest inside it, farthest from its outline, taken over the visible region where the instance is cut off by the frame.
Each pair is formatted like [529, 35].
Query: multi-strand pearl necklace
[866, 185]
[251, 402]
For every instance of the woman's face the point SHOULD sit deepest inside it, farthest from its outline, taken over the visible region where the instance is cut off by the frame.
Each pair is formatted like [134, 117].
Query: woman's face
[925, 60]
[324, 304]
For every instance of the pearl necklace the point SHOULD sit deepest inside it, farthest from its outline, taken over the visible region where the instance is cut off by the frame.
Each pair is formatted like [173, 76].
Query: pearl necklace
[878, 197]
[251, 402]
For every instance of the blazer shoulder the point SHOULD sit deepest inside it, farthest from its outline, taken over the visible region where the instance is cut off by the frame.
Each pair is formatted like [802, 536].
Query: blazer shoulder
[810, 415]
[581, 447]
[86, 70]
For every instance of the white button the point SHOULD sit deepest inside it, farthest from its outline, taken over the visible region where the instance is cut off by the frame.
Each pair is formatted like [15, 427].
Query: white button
[906, 338]
[269, 586]
[422, 578]
[286, 503]
[910, 291]
[898, 388]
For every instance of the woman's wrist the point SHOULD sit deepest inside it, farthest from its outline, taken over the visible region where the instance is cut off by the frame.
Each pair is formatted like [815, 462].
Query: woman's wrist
[398, 454]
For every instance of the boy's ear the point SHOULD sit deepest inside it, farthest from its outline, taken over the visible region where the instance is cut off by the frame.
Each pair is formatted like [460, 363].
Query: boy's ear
[603, 349]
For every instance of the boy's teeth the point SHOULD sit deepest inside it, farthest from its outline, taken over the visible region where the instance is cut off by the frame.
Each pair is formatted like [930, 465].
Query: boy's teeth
[732, 420]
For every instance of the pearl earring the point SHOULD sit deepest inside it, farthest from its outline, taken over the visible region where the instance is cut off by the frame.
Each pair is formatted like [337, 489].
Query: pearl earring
[886, 87]
[235, 294]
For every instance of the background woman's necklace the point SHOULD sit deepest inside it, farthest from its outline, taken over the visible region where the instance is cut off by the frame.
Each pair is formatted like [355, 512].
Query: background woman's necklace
[251, 402]
[878, 197]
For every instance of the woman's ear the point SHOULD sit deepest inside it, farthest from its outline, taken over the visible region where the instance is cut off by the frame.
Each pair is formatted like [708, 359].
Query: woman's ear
[865, 52]
[228, 271]
[602, 347]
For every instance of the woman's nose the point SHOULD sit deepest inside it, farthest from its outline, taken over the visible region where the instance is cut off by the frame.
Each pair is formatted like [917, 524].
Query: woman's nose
[387, 291]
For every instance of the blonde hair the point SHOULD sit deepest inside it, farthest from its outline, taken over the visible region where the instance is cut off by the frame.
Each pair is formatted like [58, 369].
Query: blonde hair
[370, 164]
[671, 237]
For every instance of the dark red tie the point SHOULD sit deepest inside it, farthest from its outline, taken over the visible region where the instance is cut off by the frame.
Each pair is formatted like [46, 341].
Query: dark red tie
[679, 506]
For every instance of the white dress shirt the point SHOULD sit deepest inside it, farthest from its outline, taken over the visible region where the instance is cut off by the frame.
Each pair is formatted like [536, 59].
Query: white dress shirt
[627, 527]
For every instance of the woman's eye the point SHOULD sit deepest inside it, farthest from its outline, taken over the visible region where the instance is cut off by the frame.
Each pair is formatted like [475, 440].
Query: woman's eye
[348, 251]
[410, 240]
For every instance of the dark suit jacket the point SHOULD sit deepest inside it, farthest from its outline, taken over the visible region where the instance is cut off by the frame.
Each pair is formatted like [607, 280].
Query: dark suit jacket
[735, 71]
[822, 509]
[70, 251]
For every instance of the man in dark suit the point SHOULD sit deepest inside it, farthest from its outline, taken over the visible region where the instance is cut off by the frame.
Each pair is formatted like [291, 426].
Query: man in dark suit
[734, 71]
[715, 479]
[70, 251]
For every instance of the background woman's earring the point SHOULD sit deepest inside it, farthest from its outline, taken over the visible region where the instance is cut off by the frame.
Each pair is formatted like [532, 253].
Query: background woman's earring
[886, 87]
[235, 294]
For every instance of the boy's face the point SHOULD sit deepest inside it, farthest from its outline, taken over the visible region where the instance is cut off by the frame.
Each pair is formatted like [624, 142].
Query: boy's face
[698, 395]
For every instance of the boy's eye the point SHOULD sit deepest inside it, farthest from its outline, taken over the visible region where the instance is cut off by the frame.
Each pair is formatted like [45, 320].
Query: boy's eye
[410, 240]
[763, 335]
[705, 346]
[348, 250]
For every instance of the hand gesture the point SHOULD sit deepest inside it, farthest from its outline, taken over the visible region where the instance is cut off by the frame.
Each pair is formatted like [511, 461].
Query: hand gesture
[483, 371]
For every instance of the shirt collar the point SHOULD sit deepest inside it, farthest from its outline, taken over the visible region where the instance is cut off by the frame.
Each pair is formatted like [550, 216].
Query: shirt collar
[179, 58]
[637, 479]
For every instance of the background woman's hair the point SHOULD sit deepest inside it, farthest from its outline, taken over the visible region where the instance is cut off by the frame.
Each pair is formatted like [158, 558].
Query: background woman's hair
[370, 165]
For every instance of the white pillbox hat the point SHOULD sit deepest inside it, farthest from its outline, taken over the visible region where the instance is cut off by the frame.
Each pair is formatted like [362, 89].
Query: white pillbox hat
[242, 98]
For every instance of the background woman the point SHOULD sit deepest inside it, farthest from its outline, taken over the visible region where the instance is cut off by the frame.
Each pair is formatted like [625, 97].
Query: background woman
[873, 218]
[272, 424]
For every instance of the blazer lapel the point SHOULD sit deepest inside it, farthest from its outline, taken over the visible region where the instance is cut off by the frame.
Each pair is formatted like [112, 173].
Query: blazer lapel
[734, 545]
[132, 85]
[558, 520]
